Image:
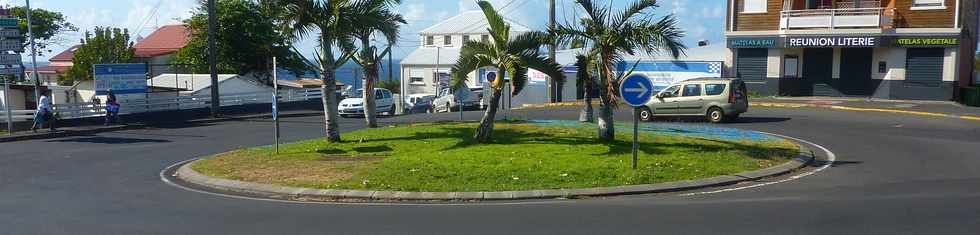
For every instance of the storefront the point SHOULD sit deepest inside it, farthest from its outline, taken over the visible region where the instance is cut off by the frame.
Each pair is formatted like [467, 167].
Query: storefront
[889, 67]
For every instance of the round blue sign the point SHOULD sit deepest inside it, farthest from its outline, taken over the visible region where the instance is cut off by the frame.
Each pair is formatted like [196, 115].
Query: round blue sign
[636, 90]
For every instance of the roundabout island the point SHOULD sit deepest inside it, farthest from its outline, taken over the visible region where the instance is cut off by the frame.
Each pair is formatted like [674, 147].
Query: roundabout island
[540, 159]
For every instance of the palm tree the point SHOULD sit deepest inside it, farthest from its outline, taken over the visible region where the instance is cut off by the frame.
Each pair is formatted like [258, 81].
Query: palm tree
[332, 23]
[613, 34]
[376, 19]
[585, 65]
[510, 55]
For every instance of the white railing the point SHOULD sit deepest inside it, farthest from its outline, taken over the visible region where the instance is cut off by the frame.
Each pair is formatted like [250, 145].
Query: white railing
[130, 106]
[832, 18]
[17, 115]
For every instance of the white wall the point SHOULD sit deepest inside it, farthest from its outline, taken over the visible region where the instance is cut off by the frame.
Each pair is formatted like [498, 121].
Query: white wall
[837, 59]
[895, 59]
[950, 65]
[775, 63]
[236, 85]
[429, 86]
[17, 99]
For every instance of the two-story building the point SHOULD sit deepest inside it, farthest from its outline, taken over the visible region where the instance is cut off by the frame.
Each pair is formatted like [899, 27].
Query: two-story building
[891, 49]
[426, 70]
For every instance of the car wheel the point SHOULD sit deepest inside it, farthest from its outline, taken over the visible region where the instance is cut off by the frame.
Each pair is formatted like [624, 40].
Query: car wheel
[715, 115]
[645, 114]
[449, 109]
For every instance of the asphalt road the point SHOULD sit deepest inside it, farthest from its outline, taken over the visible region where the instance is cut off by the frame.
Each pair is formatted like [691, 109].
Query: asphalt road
[895, 174]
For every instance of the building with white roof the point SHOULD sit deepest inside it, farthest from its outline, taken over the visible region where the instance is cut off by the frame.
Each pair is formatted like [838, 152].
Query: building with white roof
[200, 84]
[427, 68]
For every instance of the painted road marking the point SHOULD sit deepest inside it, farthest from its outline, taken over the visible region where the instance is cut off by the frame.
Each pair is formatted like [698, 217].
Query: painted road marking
[831, 158]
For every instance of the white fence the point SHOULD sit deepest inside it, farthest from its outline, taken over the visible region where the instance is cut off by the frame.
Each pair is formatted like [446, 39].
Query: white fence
[130, 106]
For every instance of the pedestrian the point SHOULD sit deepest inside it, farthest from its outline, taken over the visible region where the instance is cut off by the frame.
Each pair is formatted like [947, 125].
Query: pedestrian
[111, 108]
[43, 114]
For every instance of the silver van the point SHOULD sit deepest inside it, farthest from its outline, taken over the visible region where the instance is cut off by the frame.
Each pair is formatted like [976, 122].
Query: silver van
[716, 99]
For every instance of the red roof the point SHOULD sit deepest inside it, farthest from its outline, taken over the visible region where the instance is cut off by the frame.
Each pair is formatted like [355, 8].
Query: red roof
[166, 40]
[65, 56]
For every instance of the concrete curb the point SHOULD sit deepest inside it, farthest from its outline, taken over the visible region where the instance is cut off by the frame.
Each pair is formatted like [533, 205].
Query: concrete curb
[857, 109]
[186, 174]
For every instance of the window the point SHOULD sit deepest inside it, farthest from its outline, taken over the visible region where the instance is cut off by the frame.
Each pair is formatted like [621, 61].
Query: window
[753, 6]
[485, 38]
[714, 89]
[416, 76]
[430, 40]
[447, 40]
[672, 90]
[927, 4]
[466, 38]
[692, 90]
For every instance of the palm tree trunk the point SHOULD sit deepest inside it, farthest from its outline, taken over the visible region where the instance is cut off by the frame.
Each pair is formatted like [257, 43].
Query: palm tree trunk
[329, 98]
[607, 129]
[605, 121]
[587, 114]
[485, 130]
[370, 104]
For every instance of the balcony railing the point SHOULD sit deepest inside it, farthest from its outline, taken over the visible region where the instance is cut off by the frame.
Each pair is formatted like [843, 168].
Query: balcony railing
[832, 18]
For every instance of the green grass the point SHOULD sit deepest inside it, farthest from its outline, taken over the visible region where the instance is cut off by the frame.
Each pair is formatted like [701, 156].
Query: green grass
[441, 157]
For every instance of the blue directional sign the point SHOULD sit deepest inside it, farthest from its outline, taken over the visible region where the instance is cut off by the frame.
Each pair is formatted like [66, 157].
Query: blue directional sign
[636, 90]
[275, 106]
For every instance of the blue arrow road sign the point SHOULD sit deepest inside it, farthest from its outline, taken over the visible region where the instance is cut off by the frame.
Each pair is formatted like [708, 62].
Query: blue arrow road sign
[636, 90]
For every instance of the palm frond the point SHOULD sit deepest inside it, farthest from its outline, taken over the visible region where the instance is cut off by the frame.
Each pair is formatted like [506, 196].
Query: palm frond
[499, 29]
[473, 55]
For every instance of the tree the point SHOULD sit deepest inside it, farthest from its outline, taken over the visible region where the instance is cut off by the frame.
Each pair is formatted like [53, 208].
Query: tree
[613, 34]
[247, 39]
[49, 27]
[510, 55]
[585, 65]
[332, 23]
[377, 19]
[104, 46]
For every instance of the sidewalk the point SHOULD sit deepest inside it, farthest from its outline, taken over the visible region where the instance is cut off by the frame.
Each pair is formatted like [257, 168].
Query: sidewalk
[914, 107]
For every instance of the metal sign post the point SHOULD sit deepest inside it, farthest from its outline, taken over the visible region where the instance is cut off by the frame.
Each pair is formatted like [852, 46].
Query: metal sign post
[636, 91]
[275, 101]
[6, 106]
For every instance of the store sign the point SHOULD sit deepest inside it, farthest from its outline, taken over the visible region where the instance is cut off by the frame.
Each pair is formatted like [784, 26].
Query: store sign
[811, 42]
[926, 42]
[752, 42]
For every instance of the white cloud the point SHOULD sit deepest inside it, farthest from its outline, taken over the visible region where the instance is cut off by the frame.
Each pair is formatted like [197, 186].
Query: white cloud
[679, 7]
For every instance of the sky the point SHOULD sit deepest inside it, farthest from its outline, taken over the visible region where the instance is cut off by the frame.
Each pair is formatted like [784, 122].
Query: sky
[702, 19]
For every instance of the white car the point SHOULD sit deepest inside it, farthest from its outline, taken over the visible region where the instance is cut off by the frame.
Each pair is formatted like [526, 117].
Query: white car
[354, 106]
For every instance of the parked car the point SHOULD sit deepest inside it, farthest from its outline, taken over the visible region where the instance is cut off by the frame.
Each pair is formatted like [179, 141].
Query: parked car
[716, 99]
[354, 105]
[448, 100]
[419, 103]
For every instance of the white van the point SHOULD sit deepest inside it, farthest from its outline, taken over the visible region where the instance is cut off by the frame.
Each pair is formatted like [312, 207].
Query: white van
[354, 104]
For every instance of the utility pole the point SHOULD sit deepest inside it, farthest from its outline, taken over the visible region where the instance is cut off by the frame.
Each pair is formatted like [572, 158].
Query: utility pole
[30, 33]
[554, 84]
[212, 30]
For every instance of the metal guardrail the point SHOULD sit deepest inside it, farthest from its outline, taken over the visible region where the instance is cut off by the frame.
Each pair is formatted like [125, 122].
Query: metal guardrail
[131, 106]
